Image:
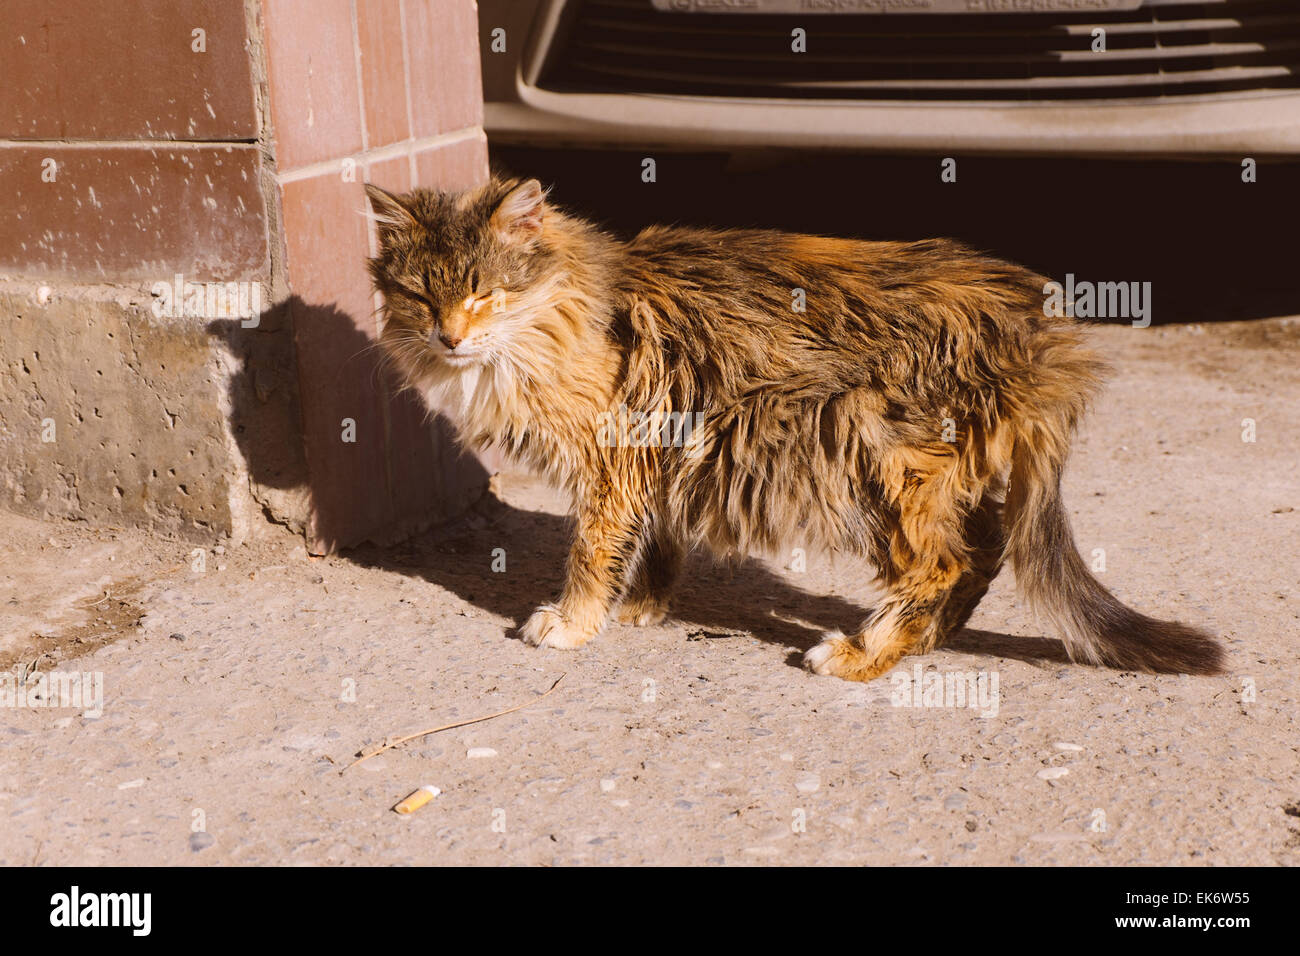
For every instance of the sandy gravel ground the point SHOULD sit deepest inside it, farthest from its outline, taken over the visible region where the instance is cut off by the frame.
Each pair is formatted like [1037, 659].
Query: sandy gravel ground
[232, 696]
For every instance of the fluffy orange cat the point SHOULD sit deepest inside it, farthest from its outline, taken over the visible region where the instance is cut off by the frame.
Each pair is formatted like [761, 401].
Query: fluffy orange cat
[749, 390]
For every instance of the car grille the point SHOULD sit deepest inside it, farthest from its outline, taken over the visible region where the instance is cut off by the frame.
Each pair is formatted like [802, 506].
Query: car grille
[626, 46]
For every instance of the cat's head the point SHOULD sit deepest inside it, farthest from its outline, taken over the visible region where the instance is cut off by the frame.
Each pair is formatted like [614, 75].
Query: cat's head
[464, 276]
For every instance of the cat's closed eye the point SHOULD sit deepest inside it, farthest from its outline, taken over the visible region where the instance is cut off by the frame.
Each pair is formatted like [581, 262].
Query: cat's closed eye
[417, 302]
[480, 300]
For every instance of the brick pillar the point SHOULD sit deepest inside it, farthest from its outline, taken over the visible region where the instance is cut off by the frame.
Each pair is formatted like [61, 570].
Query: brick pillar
[383, 91]
[222, 142]
[128, 156]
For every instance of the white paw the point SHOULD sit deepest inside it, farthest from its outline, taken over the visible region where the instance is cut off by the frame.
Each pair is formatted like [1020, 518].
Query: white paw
[548, 628]
[818, 659]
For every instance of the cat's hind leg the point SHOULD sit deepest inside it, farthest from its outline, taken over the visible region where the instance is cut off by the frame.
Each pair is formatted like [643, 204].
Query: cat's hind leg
[646, 599]
[933, 577]
[986, 546]
[905, 623]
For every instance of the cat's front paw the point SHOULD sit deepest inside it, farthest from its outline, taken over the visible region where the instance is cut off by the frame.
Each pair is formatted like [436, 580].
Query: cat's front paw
[547, 627]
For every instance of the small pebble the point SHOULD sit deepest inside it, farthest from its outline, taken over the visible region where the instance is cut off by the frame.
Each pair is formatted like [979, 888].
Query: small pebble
[131, 784]
[1062, 745]
[476, 753]
[808, 783]
[607, 785]
[177, 637]
[200, 841]
[1053, 773]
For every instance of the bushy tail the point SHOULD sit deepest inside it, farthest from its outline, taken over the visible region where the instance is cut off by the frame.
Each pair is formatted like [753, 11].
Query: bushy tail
[1095, 626]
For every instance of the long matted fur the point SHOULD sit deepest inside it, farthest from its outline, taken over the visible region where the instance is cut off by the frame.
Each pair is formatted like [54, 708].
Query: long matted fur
[907, 402]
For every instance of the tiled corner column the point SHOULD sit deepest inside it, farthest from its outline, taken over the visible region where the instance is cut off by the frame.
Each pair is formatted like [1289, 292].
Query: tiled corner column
[128, 156]
[382, 91]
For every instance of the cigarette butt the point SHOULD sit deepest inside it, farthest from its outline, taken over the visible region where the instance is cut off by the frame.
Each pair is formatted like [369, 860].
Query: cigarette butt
[417, 799]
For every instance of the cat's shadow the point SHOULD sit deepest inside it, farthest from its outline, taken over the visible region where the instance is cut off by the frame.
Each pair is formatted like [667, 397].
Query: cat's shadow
[712, 601]
[506, 560]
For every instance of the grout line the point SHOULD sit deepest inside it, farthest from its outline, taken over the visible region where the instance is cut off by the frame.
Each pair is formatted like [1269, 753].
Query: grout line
[126, 143]
[406, 78]
[372, 238]
[361, 87]
[393, 151]
[372, 245]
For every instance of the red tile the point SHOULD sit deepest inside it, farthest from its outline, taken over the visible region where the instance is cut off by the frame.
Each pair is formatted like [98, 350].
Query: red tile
[391, 174]
[453, 166]
[334, 334]
[85, 69]
[383, 72]
[442, 46]
[412, 456]
[142, 212]
[431, 479]
[325, 239]
[402, 472]
[312, 66]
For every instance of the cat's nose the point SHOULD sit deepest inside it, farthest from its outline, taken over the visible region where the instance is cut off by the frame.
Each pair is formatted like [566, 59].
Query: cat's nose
[448, 341]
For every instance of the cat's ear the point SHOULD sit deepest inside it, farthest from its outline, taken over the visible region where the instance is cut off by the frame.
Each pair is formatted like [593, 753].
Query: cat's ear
[518, 218]
[388, 210]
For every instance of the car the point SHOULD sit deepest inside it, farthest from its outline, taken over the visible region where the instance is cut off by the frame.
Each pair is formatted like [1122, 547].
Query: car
[1133, 78]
